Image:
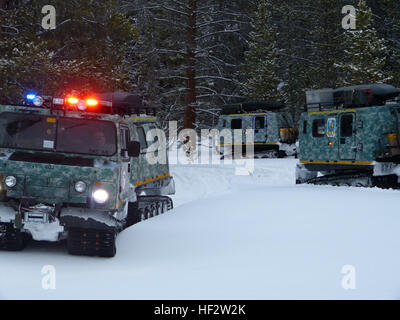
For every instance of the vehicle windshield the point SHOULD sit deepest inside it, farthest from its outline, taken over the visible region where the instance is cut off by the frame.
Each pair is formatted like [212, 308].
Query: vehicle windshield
[47, 133]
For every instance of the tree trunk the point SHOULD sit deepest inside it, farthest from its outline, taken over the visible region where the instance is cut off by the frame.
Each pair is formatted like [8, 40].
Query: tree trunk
[190, 115]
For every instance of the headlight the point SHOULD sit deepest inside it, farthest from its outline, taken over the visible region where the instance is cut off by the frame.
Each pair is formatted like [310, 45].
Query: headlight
[80, 187]
[10, 181]
[100, 196]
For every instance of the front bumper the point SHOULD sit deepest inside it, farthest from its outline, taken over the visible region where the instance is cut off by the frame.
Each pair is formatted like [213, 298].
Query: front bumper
[43, 228]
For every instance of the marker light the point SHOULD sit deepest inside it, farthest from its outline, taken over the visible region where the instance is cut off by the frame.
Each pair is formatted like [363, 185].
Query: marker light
[80, 186]
[100, 196]
[30, 96]
[90, 102]
[369, 92]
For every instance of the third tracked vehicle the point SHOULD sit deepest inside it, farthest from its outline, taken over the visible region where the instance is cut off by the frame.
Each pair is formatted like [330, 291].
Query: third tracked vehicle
[274, 133]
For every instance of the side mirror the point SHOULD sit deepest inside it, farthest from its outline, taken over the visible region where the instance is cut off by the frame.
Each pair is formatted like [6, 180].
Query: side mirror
[133, 149]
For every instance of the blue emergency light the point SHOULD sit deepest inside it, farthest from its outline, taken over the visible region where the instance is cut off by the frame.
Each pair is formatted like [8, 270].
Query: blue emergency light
[31, 96]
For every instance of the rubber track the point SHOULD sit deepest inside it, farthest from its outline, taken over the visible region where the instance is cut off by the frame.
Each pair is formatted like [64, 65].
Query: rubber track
[352, 179]
[11, 239]
[148, 206]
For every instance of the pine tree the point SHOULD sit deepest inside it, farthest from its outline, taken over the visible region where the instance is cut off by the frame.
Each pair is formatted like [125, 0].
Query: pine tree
[188, 58]
[87, 51]
[298, 50]
[365, 53]
[261, 65]
[389, 28]
[325, 42]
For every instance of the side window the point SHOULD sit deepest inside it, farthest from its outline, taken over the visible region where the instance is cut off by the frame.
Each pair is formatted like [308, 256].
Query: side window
[260, 123]
[236, 124]
[125, 137]
[346, 125]
[154, 138]
[304, 126]
[318, 128]
[142, 138]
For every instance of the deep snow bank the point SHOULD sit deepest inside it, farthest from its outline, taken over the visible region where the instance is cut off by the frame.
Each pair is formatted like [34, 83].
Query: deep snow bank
[233, 237]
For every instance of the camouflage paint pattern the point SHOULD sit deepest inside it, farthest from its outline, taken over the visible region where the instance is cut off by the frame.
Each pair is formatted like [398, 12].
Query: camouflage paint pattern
[54, 183]
[367, 141]
[141, 170]
[274, 122]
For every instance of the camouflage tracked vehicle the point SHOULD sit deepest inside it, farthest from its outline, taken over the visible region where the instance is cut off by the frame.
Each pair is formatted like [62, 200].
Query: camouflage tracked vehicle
[77, 169]
[274, 133]
[350, 137]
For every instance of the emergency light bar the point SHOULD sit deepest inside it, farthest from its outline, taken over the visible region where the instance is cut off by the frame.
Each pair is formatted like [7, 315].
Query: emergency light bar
[68, 102]
[122, 103]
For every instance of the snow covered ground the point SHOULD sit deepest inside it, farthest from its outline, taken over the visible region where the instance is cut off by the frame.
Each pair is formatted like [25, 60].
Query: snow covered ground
[233, 237]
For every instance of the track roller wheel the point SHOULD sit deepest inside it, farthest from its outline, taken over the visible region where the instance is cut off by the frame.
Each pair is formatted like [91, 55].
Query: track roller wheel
[159, 206]
[164, 205]
[142, 213]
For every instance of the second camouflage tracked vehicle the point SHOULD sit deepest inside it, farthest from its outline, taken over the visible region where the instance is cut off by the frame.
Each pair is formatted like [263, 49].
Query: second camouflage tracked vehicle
[76, 168]
[274, 133]
[351, 137]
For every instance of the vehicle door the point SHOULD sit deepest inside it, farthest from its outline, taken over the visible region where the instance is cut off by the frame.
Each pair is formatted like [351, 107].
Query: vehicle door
[125, 161]
[260, 128]
[347, 138]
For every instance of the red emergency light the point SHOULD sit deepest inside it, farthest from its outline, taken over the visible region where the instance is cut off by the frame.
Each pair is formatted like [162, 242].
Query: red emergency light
[71, 100]
[91, 102]
[81, 104]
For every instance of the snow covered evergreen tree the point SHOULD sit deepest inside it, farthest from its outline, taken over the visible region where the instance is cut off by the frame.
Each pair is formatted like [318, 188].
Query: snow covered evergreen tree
[261, 65]
[188, 53]
[389, 28]
[365, 53]
[87, 50]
